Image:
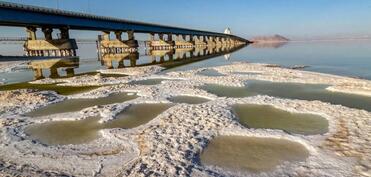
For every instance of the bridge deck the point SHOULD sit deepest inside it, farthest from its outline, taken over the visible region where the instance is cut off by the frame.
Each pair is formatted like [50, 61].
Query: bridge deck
[12, 14]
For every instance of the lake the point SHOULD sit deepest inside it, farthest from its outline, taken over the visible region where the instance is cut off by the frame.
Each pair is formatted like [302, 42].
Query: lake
[346, 58]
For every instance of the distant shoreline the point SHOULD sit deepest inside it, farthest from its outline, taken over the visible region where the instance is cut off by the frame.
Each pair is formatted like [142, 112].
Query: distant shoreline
[329, 40]
[314, 40]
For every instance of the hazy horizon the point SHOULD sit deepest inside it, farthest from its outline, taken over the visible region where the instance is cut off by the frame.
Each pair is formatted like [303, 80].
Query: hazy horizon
[298, 20]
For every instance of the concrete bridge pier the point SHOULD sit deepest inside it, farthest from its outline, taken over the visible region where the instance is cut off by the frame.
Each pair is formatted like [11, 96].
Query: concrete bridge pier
[181, 42]
[38, 73]
[218, 42]
[161, 37]
[204, 51]
[191, 40]
[131, 42]
[227, 41]
[223, 41]
[162, 59]
[109, 59]
[49, 46]
[200, 42]
[170, 40]
[171, 55]
[150, 40]
[211, 49]
[54, 72]
[31, 33]
[117, 45]
[178, 39]
[162, 44]
[196, 40]
[211, 41]
[191, 53]
[70, 72]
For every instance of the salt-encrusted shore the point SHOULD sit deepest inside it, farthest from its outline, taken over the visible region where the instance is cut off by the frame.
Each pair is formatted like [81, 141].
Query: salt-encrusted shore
[171, 143]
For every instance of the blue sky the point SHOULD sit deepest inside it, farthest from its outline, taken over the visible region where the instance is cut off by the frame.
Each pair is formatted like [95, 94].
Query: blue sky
[292, 18]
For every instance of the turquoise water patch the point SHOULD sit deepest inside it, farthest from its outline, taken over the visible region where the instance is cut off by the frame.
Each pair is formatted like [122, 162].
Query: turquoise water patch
[291, 91]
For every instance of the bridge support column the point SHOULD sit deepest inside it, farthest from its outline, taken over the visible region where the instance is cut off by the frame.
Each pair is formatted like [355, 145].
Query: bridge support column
[217, 41]
[163, 44]
[131, 42]
[199, 42]
[70, 72]
[178, 39]
[191, 40]
[49, 46]
[230, 41]
[170, 41]
[53, 72]
[151, 36]
[117, 45]
[184, 38]
[64, 33]
[171, 55]
[191, 53]
[169, 37]
[133, 59]
[151, 39]
[181, 42]
[48, 33]
[161, 37]
[118, 35]
[210, 41]
[106, 35]
[38, 73]
[31, 33]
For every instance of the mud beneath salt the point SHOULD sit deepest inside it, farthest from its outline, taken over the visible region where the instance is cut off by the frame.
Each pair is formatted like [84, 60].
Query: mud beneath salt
[171, 143]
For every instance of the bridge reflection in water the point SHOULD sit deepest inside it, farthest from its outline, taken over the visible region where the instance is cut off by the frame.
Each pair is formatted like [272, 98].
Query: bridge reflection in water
[169, 58]
[68, 64]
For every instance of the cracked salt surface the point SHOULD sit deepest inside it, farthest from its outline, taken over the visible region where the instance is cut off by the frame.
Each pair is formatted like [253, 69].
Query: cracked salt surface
[171, 143]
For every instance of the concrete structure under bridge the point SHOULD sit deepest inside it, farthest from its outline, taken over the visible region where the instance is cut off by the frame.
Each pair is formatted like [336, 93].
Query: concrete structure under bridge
[49, 20]
[166, 58]
[67, 63]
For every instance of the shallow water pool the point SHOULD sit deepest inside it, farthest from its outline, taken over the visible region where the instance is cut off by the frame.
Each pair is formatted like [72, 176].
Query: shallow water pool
[252, 154]
[83, 131]
[264, 116]
[72, 105]
[291, 91]
[210, 72]
[188, 99]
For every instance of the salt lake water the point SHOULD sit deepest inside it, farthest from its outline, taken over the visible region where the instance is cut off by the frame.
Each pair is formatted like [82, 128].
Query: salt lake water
[347, 58]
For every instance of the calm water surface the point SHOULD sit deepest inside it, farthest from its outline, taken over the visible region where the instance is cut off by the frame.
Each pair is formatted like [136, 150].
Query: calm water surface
[291, 91]
[71, 105]
[238, 153]
[264, 116]
[83, 131]
[188, 99]
[349, 58]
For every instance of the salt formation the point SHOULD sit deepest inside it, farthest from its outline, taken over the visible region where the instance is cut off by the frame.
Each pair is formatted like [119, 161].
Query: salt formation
[171, 143]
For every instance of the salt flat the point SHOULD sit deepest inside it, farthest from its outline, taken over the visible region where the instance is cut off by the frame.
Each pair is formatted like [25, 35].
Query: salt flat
[171, 143]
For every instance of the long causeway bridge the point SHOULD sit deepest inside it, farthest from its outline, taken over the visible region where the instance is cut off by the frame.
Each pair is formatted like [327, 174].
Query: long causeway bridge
[48, 20]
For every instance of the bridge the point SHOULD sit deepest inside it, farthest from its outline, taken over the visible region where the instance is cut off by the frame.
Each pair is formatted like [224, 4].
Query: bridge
[34, 17]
